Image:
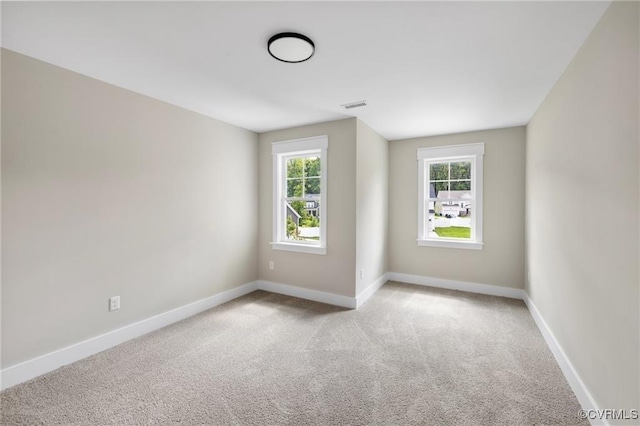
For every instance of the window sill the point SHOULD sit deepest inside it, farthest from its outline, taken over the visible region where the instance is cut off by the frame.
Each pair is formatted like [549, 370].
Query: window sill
[300, 248]
[469, 245]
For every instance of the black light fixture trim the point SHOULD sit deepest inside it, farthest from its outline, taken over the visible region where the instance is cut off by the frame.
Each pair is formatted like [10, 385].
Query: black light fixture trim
[291, 35]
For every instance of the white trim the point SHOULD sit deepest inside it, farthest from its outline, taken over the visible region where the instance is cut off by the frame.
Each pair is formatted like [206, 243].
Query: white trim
[281, 151]
[304, 144]
[324, 190]
[305, 293]
[277, 206]
[423, 217]
[35, 367]
[493, 290]
[571, 375]
[300, 248]
[472, 245]
[577, 385]
[426, 156]
[478, 187]
[451, 151]
[38, 366]
[371, 290]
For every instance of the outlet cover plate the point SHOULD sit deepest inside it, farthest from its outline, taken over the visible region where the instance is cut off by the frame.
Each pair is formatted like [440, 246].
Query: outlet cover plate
[114, 303]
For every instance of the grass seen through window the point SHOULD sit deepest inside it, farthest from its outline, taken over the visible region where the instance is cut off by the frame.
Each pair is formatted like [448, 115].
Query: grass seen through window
[454, 232]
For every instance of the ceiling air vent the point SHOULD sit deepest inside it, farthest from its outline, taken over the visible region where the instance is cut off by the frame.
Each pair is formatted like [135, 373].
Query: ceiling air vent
[355, 105]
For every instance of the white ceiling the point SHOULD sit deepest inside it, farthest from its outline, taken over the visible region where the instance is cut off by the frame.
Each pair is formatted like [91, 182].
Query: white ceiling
[424, 68]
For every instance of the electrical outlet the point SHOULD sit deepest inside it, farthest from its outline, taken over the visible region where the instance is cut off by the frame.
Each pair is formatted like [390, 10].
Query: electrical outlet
[362, 274]
[114, 303]
[271, 265]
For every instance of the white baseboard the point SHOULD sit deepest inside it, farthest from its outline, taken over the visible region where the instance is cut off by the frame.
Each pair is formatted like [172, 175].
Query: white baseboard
[304, 293]
[493, 290]
[577, 385]
[371, 290]
[35, 367]
[30, 369]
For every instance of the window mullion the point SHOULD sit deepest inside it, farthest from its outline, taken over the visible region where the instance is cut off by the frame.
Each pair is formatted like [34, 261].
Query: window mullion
[449, 179]
[299, 153]
[474, 205]
[304, 162]
[457, 210]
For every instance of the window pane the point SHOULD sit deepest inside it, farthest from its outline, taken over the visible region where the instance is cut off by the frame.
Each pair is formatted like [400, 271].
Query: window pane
[302, 220]
[439, 171]
[451, 219]
[461, 170]
[310, 222]
[292, 220]
[294, 187]
[442, 189]
[312, 167]
[312, 186]
[294, 167]
[464, 185]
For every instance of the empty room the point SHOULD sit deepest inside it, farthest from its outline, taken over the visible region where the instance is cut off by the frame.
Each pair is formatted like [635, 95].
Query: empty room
[320, 213]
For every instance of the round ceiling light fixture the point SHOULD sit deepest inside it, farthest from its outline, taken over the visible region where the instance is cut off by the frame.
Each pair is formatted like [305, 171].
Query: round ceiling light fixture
[291, 47]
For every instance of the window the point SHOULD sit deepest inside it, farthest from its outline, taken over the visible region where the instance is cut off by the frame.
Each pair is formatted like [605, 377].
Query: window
[450, 196]
[300, 195]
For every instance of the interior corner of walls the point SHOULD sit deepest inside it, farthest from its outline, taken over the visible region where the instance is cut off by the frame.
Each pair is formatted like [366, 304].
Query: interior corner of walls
[308, 294]
[362, 126]
[366, 293]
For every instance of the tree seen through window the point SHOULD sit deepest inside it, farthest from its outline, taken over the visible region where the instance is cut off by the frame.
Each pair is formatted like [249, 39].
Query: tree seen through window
[303, 197]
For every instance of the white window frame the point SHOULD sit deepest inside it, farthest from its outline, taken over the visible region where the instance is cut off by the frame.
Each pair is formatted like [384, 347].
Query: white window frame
[281, 152]
[468, 152]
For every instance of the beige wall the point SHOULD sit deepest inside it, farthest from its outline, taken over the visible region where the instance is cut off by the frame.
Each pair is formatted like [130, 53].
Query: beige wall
[0, 200]
[106, 192]
[501, 261]
[333, 272]
[582, 209]
[372, 206]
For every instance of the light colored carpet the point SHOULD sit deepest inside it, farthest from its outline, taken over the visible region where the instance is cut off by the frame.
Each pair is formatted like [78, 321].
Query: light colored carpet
[410, 355]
